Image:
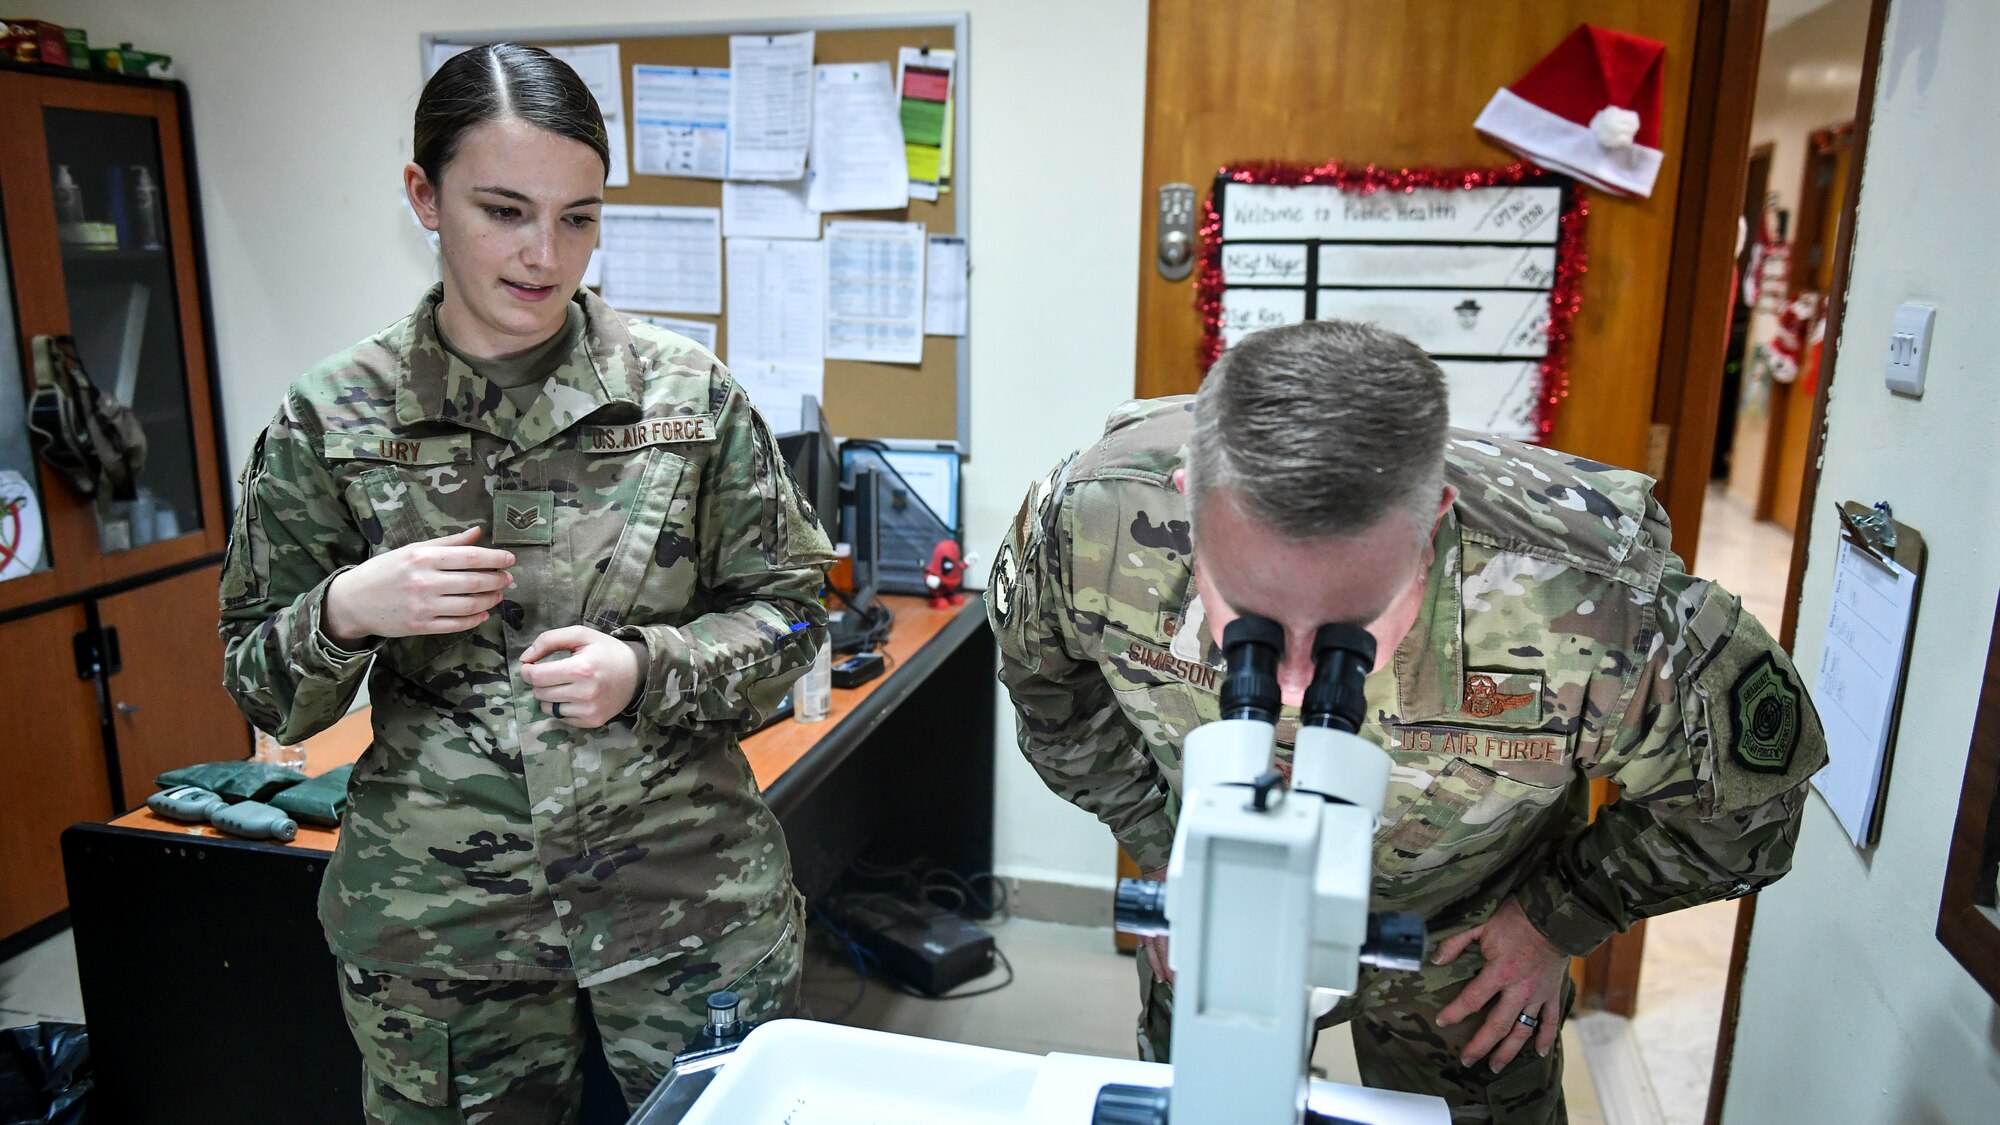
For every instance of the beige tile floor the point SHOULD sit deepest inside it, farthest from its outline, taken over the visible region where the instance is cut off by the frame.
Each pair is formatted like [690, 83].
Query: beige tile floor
[1073, 992]
[40, 984]
[1686, 964]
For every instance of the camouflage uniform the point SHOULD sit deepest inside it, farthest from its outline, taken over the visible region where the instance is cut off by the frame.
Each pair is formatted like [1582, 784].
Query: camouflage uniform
[1559, 640]
[641, 495]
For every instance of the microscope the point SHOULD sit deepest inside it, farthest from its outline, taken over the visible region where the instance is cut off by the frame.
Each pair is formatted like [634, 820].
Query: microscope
[1267, 889]
[1266, 899]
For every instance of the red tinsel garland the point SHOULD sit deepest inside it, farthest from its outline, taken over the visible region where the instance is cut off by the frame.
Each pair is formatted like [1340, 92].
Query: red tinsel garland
[1564, 297]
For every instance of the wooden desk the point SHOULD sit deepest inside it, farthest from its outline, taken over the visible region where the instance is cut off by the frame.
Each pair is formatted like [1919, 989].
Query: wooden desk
[772, 751]
[207, 984]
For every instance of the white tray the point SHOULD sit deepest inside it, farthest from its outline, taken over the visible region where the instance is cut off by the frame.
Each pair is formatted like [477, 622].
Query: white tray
[799, 1072]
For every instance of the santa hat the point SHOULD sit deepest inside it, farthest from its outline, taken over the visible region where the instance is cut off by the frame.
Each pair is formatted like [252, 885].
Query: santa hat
[1591, 108]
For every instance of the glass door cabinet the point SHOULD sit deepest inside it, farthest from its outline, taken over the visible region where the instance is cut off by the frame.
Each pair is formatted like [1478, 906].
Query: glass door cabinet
[100, 241]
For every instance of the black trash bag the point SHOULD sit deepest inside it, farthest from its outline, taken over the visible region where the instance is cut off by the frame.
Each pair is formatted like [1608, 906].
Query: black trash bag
[45, 1075]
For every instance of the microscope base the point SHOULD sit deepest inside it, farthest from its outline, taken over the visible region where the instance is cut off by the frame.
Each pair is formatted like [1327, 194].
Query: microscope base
[825, 1074]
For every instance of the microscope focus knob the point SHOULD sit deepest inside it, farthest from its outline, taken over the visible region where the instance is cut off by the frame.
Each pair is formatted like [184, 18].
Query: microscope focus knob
[1395, 942]
[1131, 1105]
[1140, 907]
[722, 1008]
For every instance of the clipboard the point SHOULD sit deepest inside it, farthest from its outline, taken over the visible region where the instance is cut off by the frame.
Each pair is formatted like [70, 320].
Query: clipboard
[1881, 536]
[1855, 783]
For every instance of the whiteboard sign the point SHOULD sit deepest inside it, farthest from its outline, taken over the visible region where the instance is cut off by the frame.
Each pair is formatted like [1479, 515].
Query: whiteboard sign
[1326, 213]
[1260, 263]
[1246, 310]
[1494, 396]
[1450, 322]
[1470, 267]
[1470, 275]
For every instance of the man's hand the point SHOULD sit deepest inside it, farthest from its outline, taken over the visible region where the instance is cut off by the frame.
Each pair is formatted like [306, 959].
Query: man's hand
[443, 585]
[1154, 949]
[593, 680]
[1523, 974]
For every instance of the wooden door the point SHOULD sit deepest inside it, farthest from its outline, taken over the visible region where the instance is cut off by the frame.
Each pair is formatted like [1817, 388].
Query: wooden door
[1399, 85]
[52, 768]
[1791, 410]
[167, 701]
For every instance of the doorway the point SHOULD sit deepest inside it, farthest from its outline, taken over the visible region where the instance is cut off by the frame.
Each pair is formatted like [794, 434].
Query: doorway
[1801, 180]
[1311, 81]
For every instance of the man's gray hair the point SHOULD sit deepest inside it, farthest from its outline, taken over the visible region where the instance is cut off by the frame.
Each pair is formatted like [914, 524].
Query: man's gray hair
[1321, 429]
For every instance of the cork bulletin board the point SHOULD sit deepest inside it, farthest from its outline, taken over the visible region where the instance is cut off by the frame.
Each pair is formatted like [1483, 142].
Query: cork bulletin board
[926, 402]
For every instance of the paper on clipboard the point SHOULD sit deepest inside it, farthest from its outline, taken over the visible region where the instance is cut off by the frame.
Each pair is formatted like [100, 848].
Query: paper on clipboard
[1860, 678]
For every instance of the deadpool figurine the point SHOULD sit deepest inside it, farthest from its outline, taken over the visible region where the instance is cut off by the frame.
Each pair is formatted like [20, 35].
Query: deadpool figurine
[943, 574]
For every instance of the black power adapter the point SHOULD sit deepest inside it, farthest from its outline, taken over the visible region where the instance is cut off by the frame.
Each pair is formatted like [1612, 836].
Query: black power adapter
[923, 945]
[857, 669]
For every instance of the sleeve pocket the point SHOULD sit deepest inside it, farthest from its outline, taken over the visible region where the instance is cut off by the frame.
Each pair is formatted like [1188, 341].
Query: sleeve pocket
[246, 562]
[403, 1051]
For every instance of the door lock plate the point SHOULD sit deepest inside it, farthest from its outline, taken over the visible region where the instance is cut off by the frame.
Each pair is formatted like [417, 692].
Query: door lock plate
[1174, 253]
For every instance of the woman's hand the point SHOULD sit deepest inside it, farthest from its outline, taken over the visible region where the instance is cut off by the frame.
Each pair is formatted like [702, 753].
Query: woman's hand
[442, 585]
[593, 679]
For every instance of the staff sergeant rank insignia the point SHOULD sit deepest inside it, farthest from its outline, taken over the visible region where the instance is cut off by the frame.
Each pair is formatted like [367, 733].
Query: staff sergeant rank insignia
[1765, 704]
[522, 517]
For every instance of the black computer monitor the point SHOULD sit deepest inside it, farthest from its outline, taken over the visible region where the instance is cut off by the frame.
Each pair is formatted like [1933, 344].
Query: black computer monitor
[814, 460]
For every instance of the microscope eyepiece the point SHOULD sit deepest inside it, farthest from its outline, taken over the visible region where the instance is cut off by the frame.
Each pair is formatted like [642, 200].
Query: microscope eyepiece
[1252, 646]
[1343, 655]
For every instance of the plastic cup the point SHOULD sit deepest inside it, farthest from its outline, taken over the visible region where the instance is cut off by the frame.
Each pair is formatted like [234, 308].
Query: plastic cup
[812, 695]
[277, 753]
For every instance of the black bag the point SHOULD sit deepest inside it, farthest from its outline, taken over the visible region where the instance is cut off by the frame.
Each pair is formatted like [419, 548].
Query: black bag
[45, 1074]
[88, 436]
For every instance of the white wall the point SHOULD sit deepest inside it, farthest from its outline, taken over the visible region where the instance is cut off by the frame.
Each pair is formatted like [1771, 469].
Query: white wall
[1852, 1011]
[302, 125]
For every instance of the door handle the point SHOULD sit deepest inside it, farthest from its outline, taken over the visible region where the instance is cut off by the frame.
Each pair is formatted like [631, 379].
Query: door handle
[126, 709]
[1174, 252]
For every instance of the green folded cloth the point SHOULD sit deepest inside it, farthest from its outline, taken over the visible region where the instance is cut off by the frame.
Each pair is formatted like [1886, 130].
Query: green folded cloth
[320, 800]
[236, 781]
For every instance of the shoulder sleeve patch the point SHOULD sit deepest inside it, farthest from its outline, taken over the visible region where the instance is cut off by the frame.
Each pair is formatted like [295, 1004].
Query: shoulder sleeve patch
[1006, 572]
[1763, 734]
[1766, 707]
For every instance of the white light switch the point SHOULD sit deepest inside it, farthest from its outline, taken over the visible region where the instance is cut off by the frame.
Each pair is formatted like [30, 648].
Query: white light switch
[1909, 349]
